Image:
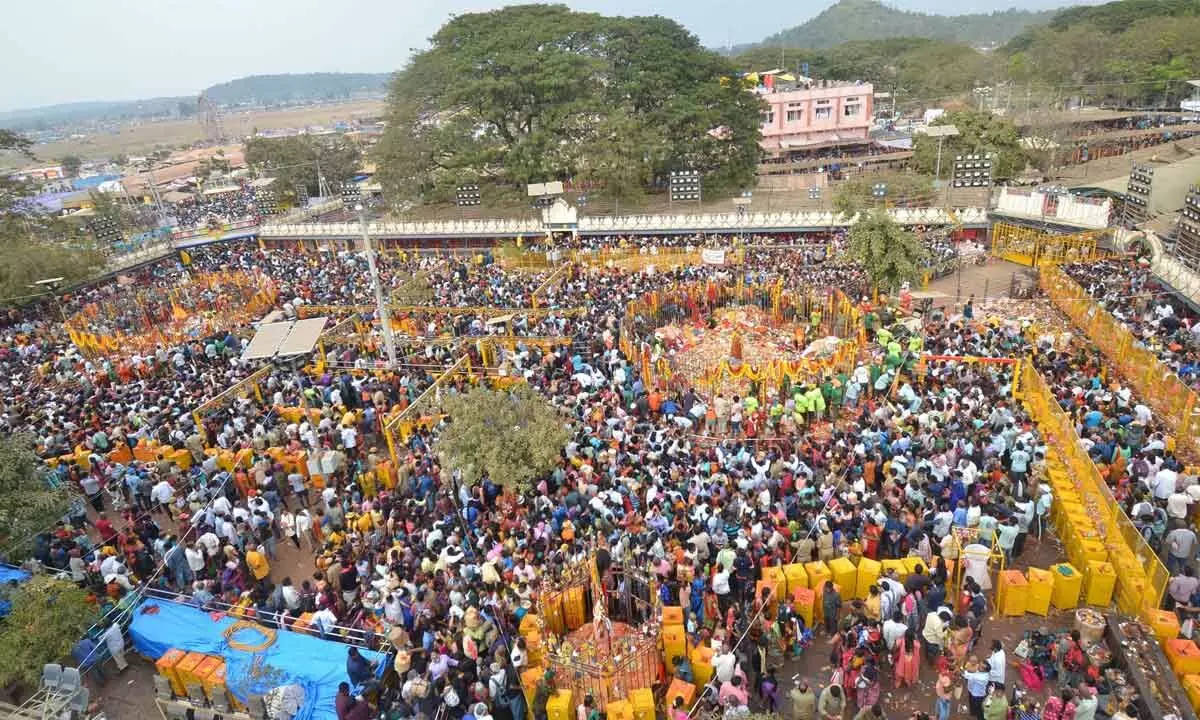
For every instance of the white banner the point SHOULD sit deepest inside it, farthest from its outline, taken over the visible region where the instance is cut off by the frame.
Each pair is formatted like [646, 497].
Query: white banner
[712, 257]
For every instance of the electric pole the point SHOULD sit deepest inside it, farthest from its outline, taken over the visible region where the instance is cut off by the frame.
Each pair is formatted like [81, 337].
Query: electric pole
[381, 308]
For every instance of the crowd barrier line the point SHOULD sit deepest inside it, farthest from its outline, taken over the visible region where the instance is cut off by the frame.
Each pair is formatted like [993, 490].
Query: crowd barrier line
[1084, 506]
[1160, 387]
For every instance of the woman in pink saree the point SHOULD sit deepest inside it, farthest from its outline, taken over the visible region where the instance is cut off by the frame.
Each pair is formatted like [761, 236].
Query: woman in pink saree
[907, 662]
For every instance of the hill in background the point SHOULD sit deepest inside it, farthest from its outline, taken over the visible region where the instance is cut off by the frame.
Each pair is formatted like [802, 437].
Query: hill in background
[256, 90]
[851, 20]
[293, 89]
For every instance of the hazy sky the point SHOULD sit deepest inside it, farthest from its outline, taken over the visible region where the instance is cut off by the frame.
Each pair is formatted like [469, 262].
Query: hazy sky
[57, 51]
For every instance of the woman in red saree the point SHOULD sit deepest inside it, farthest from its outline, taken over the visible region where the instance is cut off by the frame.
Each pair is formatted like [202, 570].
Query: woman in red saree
[871, 536]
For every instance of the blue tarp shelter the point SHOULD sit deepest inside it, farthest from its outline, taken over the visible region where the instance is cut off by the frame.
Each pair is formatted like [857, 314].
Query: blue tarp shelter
[92, 182]
[7, 575]
[294, 658]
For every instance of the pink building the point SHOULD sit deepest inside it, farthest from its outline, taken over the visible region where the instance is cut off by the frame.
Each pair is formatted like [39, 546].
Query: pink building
[816, 116]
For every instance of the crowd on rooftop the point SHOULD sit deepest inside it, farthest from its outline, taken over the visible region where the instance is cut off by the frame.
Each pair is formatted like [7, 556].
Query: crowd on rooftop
[205, 210]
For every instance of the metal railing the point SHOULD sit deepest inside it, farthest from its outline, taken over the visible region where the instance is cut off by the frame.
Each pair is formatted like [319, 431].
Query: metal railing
[357, 637]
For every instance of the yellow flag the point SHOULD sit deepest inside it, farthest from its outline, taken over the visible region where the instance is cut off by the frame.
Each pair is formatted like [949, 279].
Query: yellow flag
[184, 257]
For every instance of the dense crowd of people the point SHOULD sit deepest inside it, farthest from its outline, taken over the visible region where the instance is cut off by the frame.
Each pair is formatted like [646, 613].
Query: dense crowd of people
[1149, 310]
[205, 210]
[894, 458]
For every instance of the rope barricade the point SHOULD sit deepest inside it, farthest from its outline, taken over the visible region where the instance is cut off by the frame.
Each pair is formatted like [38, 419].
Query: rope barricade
[1162, 389]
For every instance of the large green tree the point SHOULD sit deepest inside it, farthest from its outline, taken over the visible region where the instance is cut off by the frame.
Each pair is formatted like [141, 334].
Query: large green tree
[34, 245]
[1126, 53]
[70, 165]
[515, 436]
[534, 93]
[48, 617]
[29, 504]
[890, 254]
[293, 161]
[979, 132]
[903, 189]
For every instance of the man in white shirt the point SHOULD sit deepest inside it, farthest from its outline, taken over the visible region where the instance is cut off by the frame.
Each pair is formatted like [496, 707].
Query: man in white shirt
[163, 495]
[1177, 505]
[721, 584]
[221, 505]
[1164, 483]
[291, 598]
[349, 437]
[724, 666]
[211, 543]
[996, 664]
[195, 558]
[324, 620]
[894, 629]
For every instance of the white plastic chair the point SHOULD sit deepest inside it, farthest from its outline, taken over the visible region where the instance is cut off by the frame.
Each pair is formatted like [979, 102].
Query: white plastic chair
[52, 676]
[70, 681]
[79, 701]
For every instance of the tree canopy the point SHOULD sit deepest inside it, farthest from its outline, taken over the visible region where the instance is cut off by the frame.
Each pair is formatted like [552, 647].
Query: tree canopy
[28, 503]
[48, 617]
[293, 161]
[514, 436]
[70, 165]
[857, 193]
[1143, 60]
[978, 132]
[890, 254]
[296, 87]
[1124, 53]
[535, 93]
[33, 245]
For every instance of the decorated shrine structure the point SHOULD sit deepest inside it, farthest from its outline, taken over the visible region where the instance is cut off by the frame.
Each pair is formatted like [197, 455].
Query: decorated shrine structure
[141, 318]
[754, 337]
[597, 627]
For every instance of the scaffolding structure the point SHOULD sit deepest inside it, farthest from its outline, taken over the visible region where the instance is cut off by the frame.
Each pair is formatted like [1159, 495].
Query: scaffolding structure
[211, 119]
[1032, 247]
[399, 427]
[237, 390]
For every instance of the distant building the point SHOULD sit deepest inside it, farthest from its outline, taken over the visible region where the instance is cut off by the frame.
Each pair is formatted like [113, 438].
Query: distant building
[811, 115]
[41, 174]
[1192, 104]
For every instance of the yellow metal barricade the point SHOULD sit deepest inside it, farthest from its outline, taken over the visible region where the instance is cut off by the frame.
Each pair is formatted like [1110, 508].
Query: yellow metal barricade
[1142, 577]
[1028, 246]
[1162, 389]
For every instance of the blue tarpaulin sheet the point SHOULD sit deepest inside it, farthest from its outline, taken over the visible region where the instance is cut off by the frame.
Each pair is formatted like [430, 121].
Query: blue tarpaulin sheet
[7, 575]
[293, 659]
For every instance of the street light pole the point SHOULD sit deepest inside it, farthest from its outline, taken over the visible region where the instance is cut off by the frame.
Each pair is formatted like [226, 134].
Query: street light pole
[380, 306]
[937, 170]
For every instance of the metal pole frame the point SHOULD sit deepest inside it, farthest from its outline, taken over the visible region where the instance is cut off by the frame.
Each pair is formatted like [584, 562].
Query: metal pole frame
[381, 307]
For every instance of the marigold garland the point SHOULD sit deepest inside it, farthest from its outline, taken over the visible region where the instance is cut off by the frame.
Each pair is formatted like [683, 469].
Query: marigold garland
[267, 633]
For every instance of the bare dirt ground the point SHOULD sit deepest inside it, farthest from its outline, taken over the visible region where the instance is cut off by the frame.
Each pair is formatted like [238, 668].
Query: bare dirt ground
[138, 138]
